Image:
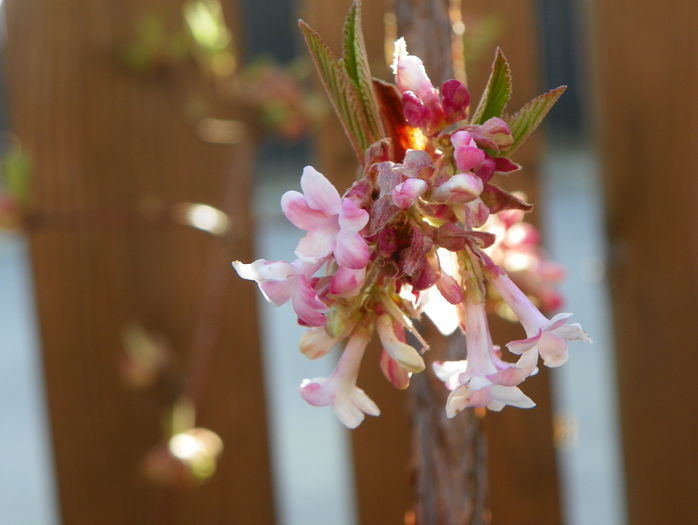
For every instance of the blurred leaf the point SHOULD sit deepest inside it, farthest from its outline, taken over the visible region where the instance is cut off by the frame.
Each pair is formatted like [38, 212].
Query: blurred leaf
[339, 89]
[526, 120]
[204, 19]
[356, 65]
[16, 172]
[497, 92]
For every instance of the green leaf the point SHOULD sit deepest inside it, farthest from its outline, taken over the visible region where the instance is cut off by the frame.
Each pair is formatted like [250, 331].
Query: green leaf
[497, 92]
[356, 64]
[340, 90]
[526, 120]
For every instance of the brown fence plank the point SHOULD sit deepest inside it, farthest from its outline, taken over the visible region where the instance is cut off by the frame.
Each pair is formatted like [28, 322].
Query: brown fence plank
[647, 84]
[107, 145]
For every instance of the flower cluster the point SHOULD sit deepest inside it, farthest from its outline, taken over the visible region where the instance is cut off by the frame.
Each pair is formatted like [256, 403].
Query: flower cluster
[429, 232]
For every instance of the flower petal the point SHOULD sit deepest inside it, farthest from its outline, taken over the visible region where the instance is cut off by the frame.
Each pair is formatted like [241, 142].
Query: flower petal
[263, 270]
[462, 187]
[317, 392]
[307, 304]
[352, 219]
[522, 345]
[406, 193]
[277, 292]
[351, 250]
[316, 342]
[319, 191]
[297, 210]
[468, 159]
[316, 245]
[347, 282]
[553, 350]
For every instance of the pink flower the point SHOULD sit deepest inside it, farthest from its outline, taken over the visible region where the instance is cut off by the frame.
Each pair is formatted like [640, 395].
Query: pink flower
[469, 380]
[348, 401]
[332, 223]
[280, 281]
[546, 337]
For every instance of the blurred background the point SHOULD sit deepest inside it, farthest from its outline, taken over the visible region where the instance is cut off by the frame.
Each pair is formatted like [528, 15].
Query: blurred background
[145, 145]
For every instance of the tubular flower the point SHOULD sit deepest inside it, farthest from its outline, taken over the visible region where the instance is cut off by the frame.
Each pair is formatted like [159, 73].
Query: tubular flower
[425, 229]
[347, 400]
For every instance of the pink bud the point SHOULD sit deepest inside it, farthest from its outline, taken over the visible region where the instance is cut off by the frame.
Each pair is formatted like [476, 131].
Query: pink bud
[450, 289]
[462, 187]
[393, 372]
[406, 193]
[456, 98]
[416, 113]
[468, 158]
[316, 342]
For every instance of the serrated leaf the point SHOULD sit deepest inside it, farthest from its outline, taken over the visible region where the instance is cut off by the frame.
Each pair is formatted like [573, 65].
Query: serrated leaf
[497, 92]
[340, 90]
[356, 64]
[528, 118]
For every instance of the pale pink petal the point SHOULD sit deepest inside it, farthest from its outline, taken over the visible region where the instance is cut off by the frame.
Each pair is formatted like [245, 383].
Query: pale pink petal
[522, 345]
[316, 245]
[476, 213]
[450, 289]
[320, 192]
[263, 270]
[559, 320]
[351, 251]
[393, 372]
[462, 187]
[509, 395]
[347, 282]
[553, 349]
[403, 353]
[308, 306]
[316, 342]
[449, 372]
[352, 219]
[410, 74]
[406, 193]
[296, 209]
[518, 372]
[317, 392]
[462, 139]
[278, 292]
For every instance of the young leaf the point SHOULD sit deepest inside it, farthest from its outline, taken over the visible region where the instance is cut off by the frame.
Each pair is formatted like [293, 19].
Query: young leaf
[526, 120]
[339, 89]
[356, 65]
[497, 92]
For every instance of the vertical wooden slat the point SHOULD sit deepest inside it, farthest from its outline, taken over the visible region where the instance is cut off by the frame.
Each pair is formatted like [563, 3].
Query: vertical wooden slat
[107, 144]
[647, 84]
